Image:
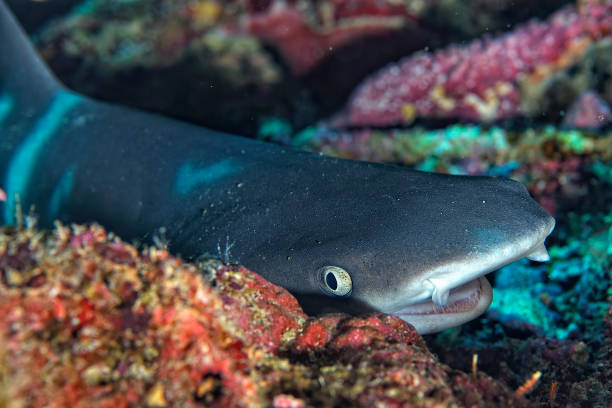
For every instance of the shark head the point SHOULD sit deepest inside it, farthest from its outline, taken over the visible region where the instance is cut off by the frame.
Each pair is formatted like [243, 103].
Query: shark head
[418, 250]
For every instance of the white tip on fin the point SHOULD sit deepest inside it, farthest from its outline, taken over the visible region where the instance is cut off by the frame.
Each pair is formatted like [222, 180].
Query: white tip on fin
[539, 254]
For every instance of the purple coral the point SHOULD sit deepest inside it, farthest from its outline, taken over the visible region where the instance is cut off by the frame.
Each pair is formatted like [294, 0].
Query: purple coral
[481, 81]
[589, 111]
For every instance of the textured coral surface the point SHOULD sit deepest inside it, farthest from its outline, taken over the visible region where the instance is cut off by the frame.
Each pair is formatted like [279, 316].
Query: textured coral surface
[486, 80]
[90, 321]
[300, 59]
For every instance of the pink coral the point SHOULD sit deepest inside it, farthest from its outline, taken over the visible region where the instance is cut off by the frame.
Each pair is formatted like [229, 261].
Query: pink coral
[480, 81]
[589, 111]
[305, 35]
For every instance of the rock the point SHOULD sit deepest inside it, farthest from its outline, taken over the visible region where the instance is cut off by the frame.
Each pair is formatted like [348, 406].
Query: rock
[94, 322]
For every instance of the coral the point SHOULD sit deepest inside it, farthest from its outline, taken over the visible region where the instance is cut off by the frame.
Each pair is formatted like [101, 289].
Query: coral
[483, 80]
[90, 321]
[516, 297]
[308, 32]
[580, 269]
[567, 295]
[568, 363]
[588, 112]
[553, 97]
[178, 57]
[128, 35]
[192, 53]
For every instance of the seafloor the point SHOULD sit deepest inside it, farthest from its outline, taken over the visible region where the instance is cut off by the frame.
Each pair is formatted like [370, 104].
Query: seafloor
[503, 88]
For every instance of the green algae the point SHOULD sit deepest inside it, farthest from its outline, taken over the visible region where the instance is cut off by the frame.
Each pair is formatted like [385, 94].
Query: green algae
[274, 129]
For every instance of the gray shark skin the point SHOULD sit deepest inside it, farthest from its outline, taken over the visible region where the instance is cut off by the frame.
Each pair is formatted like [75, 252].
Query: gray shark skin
[340, 235]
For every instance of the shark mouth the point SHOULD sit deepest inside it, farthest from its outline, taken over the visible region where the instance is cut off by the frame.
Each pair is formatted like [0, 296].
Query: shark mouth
[460, 300]
[464, 303]
[449, 307]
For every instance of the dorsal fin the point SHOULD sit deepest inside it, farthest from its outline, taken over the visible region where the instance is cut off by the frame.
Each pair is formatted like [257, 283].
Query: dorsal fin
[22, 72]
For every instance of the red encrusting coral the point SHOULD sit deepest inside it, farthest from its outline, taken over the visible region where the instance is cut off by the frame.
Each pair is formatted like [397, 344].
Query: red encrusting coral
[307, 32]
[483, 80]
[90, 321]
[92, 325]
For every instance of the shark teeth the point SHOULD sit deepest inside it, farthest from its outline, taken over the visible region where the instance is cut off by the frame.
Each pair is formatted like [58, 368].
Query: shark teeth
[539, 254]
[439, 295]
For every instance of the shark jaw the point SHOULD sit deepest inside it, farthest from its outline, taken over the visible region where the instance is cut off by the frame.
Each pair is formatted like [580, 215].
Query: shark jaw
[464, 303]
[449, 299]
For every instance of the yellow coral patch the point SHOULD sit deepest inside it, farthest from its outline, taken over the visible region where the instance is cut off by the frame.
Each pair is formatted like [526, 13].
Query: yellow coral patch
[487, 107]
[438, 96]
[155, 397]
[409, 112]
[206, 12]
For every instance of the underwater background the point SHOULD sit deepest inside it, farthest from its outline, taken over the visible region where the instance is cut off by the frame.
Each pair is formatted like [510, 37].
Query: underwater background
[486, 87]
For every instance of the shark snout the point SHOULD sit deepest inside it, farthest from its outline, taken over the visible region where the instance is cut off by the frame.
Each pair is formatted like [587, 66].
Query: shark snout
[538, 250]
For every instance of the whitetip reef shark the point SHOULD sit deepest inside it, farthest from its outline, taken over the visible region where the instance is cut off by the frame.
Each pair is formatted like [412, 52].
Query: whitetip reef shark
[340, 235]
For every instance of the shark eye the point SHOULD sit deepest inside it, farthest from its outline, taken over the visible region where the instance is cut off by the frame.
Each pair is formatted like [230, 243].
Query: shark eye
[336, 281]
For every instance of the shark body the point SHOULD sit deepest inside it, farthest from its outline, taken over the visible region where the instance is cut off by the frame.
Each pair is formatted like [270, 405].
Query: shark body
[340, 235]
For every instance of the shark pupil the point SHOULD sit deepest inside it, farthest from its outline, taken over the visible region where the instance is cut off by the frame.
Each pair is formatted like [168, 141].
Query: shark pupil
[331, 281]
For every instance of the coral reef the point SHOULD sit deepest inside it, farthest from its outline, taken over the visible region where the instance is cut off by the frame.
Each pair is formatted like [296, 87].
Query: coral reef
[486, 80]
[306, 32]
[124, 35]
[192, 53]
[90, 321]
[552, 99]
[187, 54]
[588, 112]
[572, 376]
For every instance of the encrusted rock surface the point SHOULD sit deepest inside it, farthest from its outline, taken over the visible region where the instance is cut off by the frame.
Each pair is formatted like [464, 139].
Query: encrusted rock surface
[90, 321]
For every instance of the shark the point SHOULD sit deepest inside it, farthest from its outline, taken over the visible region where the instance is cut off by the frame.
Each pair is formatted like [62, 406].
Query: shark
[341, 235]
